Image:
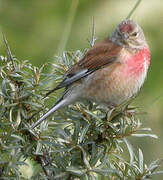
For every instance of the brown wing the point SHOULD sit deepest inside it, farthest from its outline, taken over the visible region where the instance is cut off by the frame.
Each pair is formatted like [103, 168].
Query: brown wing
[99, 56]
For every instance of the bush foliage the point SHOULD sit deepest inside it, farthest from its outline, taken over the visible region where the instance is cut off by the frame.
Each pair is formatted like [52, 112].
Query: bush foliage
[83, 141]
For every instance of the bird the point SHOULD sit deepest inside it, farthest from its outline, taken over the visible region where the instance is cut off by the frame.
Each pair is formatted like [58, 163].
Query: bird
[110, 73]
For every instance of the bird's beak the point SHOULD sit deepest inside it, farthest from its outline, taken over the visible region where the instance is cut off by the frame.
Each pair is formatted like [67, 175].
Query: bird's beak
[125, 37]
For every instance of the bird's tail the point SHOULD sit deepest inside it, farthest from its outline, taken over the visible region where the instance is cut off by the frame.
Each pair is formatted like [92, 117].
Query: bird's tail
[60, 103]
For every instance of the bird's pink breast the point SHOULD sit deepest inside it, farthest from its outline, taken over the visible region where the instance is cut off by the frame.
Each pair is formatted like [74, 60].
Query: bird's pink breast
[138, 62]
[115, 85]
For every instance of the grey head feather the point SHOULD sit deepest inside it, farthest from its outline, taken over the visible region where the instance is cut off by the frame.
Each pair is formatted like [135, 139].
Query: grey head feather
[134, 39]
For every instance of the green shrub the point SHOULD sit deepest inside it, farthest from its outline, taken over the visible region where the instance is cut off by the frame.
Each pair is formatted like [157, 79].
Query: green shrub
[82, 141]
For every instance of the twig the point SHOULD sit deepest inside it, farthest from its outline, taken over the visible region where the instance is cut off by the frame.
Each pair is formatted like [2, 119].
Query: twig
[93, 33]
[93, 39]
[134, 8]
[8, 51]
[32, 116]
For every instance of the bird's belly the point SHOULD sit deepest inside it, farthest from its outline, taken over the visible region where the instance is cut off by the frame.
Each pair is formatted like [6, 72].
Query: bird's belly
[113, 87]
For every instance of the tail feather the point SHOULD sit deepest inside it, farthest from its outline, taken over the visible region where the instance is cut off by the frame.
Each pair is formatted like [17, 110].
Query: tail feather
[60, 103]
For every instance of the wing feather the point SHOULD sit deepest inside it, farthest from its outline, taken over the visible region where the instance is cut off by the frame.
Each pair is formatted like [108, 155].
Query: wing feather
[101, 55]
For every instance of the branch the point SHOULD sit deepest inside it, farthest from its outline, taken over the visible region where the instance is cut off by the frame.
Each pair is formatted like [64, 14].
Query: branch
[8, 50]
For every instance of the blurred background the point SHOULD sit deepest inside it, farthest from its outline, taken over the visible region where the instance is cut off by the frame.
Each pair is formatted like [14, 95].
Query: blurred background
[38, 30]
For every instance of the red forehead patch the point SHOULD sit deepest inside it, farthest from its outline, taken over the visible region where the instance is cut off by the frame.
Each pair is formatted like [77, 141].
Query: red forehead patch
[126, 28]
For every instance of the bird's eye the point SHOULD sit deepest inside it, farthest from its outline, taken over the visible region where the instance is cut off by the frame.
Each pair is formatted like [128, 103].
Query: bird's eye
[134, 34]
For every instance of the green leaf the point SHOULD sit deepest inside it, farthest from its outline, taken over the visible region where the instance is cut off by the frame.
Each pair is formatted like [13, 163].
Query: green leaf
[141, 161]
[4, 87]
[130, 149]
[93, 115]
[86, 162]
[145, 129]
[145, 135]
[76, 131]
[61, 161]
[105, 172]
[18, 137]
[157, 172]
[76, 171]
[18, 118]
[62, 134]
[83, 133]
[155, 164]
[97, 157]
[61, 175]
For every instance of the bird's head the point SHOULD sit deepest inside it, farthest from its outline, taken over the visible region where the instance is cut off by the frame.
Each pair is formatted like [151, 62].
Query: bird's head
[129, 34]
